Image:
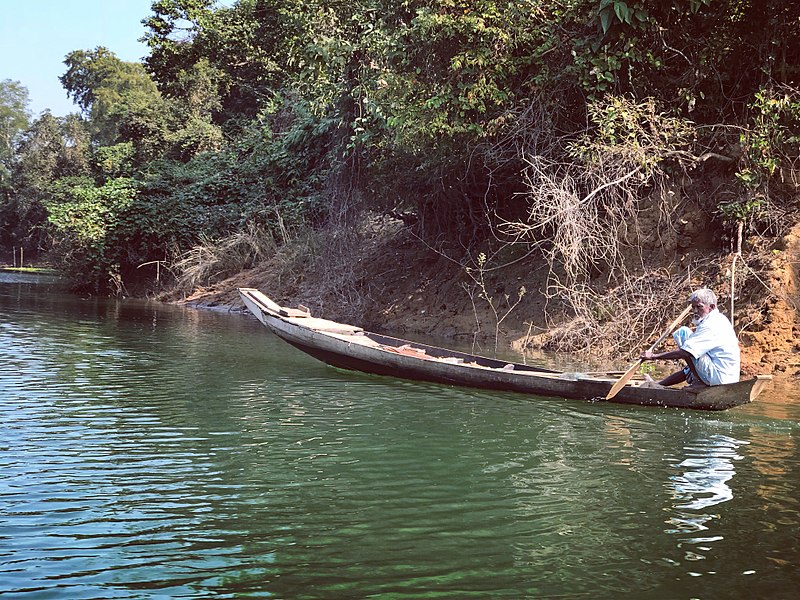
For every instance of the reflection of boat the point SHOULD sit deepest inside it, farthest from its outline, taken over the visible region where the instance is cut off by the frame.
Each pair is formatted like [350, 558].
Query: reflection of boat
[350, 347]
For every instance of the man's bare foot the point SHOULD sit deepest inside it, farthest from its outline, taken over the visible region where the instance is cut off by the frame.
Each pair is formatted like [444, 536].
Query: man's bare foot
[650, 383]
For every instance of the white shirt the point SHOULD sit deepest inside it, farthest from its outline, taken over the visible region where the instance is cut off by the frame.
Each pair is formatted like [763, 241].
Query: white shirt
[715, 347]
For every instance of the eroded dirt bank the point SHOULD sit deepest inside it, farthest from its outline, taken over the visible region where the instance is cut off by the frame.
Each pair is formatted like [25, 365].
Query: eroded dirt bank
[395, 284]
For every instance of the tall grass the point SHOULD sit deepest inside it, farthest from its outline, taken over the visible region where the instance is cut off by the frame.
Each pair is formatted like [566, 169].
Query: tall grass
[213, 260]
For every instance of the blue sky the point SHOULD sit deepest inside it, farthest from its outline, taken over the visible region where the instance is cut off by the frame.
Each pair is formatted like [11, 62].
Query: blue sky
[36, 35]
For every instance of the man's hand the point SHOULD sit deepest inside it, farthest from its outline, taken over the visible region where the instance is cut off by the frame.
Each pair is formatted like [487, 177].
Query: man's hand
[646, 355]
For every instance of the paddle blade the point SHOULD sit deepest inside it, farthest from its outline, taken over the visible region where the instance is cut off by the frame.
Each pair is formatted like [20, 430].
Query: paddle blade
[623, 380]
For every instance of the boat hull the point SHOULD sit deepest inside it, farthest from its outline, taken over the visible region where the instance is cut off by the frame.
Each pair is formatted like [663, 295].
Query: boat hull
[351, 348]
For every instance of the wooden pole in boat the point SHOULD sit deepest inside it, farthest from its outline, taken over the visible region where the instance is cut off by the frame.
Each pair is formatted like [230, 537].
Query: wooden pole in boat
[632, 369]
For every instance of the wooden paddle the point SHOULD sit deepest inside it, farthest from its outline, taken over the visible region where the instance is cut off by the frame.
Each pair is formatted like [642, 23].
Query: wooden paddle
[632, 369]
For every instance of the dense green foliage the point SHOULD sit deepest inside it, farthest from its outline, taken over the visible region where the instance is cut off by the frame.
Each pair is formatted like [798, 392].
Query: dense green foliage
[284, 112]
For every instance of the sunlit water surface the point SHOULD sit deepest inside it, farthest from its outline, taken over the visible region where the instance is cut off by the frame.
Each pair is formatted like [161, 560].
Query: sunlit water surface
[152, 451]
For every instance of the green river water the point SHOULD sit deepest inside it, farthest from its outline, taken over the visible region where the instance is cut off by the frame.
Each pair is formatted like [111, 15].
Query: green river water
[151, 451]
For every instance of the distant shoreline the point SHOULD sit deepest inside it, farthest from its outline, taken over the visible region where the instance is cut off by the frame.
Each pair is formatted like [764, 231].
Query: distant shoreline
[34, 270]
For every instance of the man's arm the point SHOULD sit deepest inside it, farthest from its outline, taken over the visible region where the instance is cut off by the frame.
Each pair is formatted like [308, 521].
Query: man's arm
[671, 355]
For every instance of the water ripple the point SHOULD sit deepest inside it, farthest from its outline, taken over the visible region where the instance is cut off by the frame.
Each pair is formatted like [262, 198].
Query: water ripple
[147, 451]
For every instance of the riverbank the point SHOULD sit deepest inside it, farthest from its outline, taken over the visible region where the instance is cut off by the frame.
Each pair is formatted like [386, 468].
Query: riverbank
[397, 285]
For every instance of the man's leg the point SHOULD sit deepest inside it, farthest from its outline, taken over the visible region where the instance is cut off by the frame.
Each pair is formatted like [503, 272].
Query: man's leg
[690, 374]
[693, 378]
[674, 378]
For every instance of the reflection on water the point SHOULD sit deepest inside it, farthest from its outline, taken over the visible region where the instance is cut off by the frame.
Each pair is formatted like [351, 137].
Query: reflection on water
[702, 477]
[780, 400]
[699, 483]
[703, 496]
[774, 456]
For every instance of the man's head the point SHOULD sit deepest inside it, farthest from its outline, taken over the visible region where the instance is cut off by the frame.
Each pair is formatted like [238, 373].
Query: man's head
[703, 301]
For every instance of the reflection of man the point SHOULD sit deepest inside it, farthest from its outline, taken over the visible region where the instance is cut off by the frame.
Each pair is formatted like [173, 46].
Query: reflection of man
[701, 480]
[711, 352]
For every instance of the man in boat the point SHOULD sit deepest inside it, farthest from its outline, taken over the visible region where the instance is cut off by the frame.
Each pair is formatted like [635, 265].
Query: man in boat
[711, 351]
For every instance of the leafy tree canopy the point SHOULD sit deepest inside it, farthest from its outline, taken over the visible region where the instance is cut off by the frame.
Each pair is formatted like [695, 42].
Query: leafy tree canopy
[244, 45]
[105, 88]
[288, 111]
[13, 121]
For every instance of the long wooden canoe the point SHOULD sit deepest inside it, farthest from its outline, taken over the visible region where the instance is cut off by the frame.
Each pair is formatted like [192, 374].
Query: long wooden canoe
[350, 347]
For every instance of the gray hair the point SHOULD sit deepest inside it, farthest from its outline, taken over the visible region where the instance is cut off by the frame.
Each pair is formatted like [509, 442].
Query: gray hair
[704, 295]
